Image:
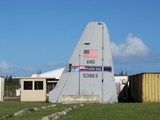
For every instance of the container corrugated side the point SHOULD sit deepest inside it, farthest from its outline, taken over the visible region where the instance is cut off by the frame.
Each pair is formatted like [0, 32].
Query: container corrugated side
[151, 87]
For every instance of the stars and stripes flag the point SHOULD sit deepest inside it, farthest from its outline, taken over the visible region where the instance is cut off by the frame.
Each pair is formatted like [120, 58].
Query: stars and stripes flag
[90, 53]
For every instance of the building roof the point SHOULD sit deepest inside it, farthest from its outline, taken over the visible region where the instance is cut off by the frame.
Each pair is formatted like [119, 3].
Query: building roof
[50, 74]
[145, 73]
[33, 77]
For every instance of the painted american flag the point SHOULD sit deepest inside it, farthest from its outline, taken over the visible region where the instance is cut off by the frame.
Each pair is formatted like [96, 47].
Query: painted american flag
[90, 53]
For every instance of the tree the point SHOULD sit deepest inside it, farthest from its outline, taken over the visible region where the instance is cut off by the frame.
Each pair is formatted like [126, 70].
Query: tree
[126, 73]
[39, 72]
[121, 73]
[9, 81]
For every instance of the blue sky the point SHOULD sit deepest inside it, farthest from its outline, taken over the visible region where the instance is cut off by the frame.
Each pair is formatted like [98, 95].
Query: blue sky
[42, 34]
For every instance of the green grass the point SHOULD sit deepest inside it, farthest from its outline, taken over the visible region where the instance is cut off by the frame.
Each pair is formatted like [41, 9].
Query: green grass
[117, 111]
[9, 108]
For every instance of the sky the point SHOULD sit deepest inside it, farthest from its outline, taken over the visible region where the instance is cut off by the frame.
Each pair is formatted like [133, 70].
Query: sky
[40, 35]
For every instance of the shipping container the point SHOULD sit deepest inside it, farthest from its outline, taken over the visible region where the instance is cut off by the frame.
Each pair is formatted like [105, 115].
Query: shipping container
[145, 87]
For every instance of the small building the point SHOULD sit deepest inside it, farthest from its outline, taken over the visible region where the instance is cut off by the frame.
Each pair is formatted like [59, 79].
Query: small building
[145, 87]
[1, 88]
[35, 88]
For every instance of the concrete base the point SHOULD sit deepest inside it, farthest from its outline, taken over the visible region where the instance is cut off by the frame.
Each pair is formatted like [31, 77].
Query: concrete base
[68, 99]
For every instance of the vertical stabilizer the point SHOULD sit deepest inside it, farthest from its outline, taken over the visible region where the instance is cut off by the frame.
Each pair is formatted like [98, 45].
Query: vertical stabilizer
[90, 69]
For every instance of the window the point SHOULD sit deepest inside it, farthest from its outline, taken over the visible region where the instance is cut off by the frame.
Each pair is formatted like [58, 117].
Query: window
[27, 85]
[38, 85]
[87, 43]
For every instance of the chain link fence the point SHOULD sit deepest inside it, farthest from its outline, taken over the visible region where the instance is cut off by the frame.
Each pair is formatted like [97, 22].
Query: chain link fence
[10, 91]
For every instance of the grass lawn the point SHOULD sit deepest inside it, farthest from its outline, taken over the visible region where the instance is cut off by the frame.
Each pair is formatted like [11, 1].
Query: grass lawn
[10, 107]
[117, 111]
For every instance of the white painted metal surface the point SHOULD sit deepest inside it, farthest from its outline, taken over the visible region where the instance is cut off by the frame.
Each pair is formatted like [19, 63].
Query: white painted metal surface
[90, 68]
[1, 88]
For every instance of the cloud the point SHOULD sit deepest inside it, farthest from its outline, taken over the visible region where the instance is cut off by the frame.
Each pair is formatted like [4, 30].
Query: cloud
[28, 69]
[132, 49]
[6, 68]
[50, 64]
[55, 64]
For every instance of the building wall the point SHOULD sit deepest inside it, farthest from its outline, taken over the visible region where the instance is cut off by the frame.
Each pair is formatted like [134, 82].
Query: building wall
[122, 86]
[32, 94]
[1, 88]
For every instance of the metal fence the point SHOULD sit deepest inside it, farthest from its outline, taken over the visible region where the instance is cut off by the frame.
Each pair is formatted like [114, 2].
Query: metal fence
[10, 91]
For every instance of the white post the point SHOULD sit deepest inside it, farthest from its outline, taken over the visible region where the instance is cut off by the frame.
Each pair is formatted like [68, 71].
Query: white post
[1, 88]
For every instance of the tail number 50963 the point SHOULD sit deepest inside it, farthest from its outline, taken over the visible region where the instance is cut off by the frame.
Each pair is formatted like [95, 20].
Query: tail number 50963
[90, 75]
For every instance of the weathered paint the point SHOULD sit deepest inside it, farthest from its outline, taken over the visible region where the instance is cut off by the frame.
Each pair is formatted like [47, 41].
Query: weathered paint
[145, 87]
[68, 99]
